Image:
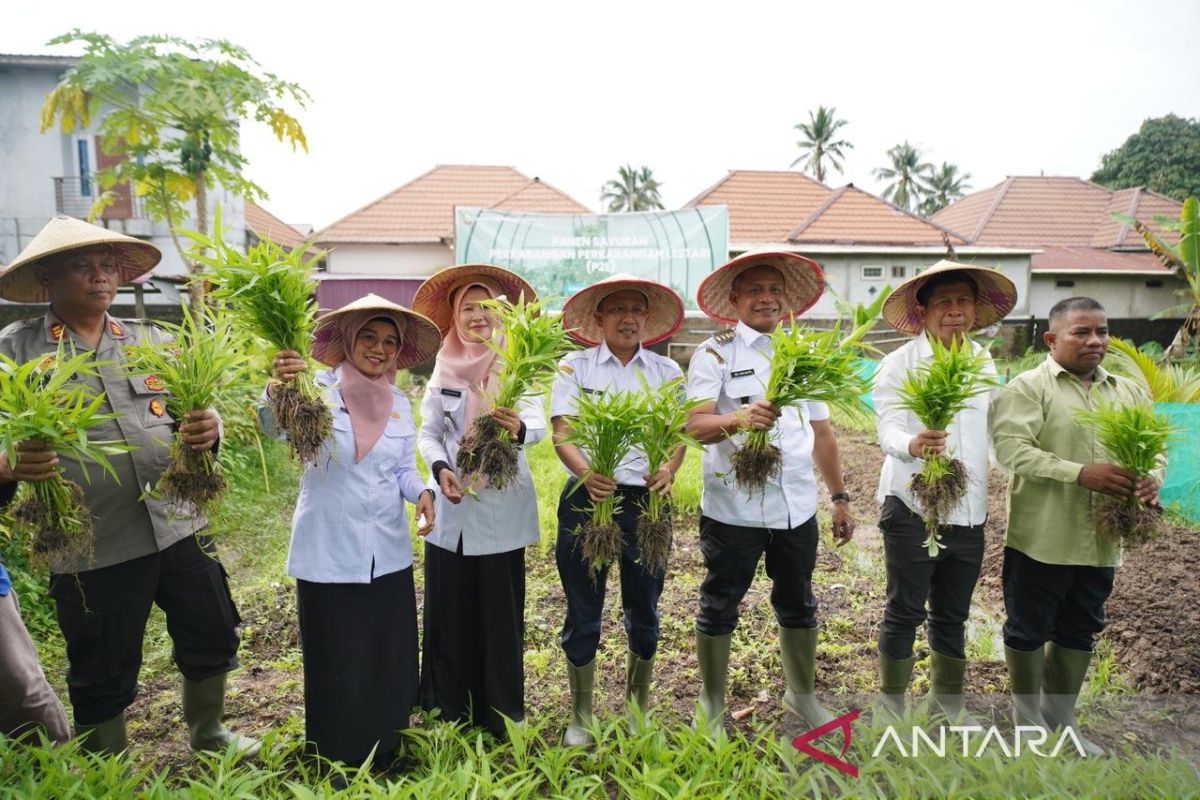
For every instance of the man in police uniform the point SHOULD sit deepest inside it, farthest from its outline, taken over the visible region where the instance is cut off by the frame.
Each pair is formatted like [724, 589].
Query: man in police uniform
[618, 317]
[728, 372]
[144, 551]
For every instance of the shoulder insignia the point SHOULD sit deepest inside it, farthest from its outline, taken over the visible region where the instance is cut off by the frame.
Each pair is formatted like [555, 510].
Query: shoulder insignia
[395, 415]
[56, 330]
[725, 336]
[715, 355]
[154, 383]
[115, 329]
[566, 369]
[157, 408]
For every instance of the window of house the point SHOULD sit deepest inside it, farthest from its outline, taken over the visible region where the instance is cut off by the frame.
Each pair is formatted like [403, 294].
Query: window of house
[872, 273]
[1064, 284]
[1154, 284]
[899, 271]
[85, 181]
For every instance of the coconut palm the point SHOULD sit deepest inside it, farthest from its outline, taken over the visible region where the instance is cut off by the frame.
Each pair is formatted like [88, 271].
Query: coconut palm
[818, 144]
[905, 173]
[942, 186]
[632, 190]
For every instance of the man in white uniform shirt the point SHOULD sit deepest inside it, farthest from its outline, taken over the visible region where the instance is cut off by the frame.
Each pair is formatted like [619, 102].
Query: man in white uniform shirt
[946, 301]
[729, 372]
[618, 317]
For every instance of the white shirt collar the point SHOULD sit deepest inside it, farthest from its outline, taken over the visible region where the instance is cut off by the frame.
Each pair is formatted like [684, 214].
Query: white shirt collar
[747, 334]
[604, 354]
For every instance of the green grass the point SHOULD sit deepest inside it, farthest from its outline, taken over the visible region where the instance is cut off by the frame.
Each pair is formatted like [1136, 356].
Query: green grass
[667, 759]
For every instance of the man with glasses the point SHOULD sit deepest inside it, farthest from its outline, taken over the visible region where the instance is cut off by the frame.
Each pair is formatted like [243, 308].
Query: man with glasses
[617, 317]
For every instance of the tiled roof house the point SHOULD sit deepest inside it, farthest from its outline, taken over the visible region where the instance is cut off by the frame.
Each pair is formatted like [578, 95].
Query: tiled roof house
[1082, 249]
[393, 243]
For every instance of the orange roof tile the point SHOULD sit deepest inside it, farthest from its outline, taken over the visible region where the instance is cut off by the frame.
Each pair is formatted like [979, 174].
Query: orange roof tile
[850, 215]
[1091, 259]
[1045, 211]
[422, 210]
[764, 206]
[265, 225]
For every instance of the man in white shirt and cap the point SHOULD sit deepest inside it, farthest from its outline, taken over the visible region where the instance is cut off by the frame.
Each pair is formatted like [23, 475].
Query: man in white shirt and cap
[946, 302]
[617, 318]
[729, 373]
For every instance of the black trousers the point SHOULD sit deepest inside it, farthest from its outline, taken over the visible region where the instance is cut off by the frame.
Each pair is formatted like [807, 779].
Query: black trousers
[640, 588]
[474, 662]
[945, 581]
[102, 614]
[1058, 603]
[731, 554]
[359, 642]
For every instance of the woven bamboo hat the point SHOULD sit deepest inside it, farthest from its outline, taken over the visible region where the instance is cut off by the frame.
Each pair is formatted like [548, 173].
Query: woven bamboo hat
[419, 337]
[664, 318]
[803, 284]
[433, 296]
[996, 296]
[19, 281]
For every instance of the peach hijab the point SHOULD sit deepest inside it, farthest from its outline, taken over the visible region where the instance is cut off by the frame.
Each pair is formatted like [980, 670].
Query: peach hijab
[464, 364]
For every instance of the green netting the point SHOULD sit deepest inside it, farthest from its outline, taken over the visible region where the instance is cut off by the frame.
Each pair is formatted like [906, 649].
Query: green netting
[1181, 488]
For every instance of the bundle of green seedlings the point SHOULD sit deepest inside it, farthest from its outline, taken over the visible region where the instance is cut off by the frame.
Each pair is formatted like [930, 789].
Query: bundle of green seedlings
[1136, 439]
[528, 344]
[270, 293]
[935, 392]
[806, 364]
[659, 433]
[39, 401]
[604, 426]
[196, 370]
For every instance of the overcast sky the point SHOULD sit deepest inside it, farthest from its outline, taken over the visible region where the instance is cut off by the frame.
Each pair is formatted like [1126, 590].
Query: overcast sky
[569, 91]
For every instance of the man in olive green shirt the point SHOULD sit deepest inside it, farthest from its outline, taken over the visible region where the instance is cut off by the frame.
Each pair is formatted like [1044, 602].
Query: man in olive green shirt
[1058, 571]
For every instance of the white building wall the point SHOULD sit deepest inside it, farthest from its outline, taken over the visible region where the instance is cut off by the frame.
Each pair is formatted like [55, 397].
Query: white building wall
[30, 160]
[845, 274]
[1123, 296]
[395, 260]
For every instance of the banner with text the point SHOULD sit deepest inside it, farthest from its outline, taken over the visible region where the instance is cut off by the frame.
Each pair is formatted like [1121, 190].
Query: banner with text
[562, 253]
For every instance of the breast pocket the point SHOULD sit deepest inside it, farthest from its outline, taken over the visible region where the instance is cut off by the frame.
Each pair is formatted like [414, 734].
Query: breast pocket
[452, 413]
[150, 393]
[744, 390]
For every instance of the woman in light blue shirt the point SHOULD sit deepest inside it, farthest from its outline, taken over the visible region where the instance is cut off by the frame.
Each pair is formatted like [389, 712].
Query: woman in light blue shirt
[351, 553]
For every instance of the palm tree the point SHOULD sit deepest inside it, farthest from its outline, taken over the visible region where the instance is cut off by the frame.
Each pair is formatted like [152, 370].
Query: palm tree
[942, 187]
[818, 144]
[905, 173]
[632, 190]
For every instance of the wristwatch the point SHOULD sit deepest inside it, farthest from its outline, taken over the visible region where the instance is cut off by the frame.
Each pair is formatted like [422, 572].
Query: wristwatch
[840, 496]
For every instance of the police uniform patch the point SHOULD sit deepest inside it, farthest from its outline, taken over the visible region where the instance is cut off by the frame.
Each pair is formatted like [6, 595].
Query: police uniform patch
[724, 337]
[566, 369]
[157, 408]
[154, 383]
[395, 415]
[56, 330]
[46, 363]
[715, 355]
[115, 329]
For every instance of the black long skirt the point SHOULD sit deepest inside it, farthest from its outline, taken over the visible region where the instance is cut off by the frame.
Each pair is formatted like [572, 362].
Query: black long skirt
[359, 642]
[473, 662]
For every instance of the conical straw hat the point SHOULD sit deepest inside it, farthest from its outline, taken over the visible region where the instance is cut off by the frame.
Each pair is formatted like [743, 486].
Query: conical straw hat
[996, 297]
[419, 337]
[19, 282]
[803, 284]
[665, 317]
[433, 296]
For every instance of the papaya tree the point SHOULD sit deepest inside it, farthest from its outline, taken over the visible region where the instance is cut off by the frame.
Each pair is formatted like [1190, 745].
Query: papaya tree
[173, 108]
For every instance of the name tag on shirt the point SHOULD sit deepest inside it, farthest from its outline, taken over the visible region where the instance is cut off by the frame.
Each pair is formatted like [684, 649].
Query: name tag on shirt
[586, 390]
[452, 392]
[741, 373]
